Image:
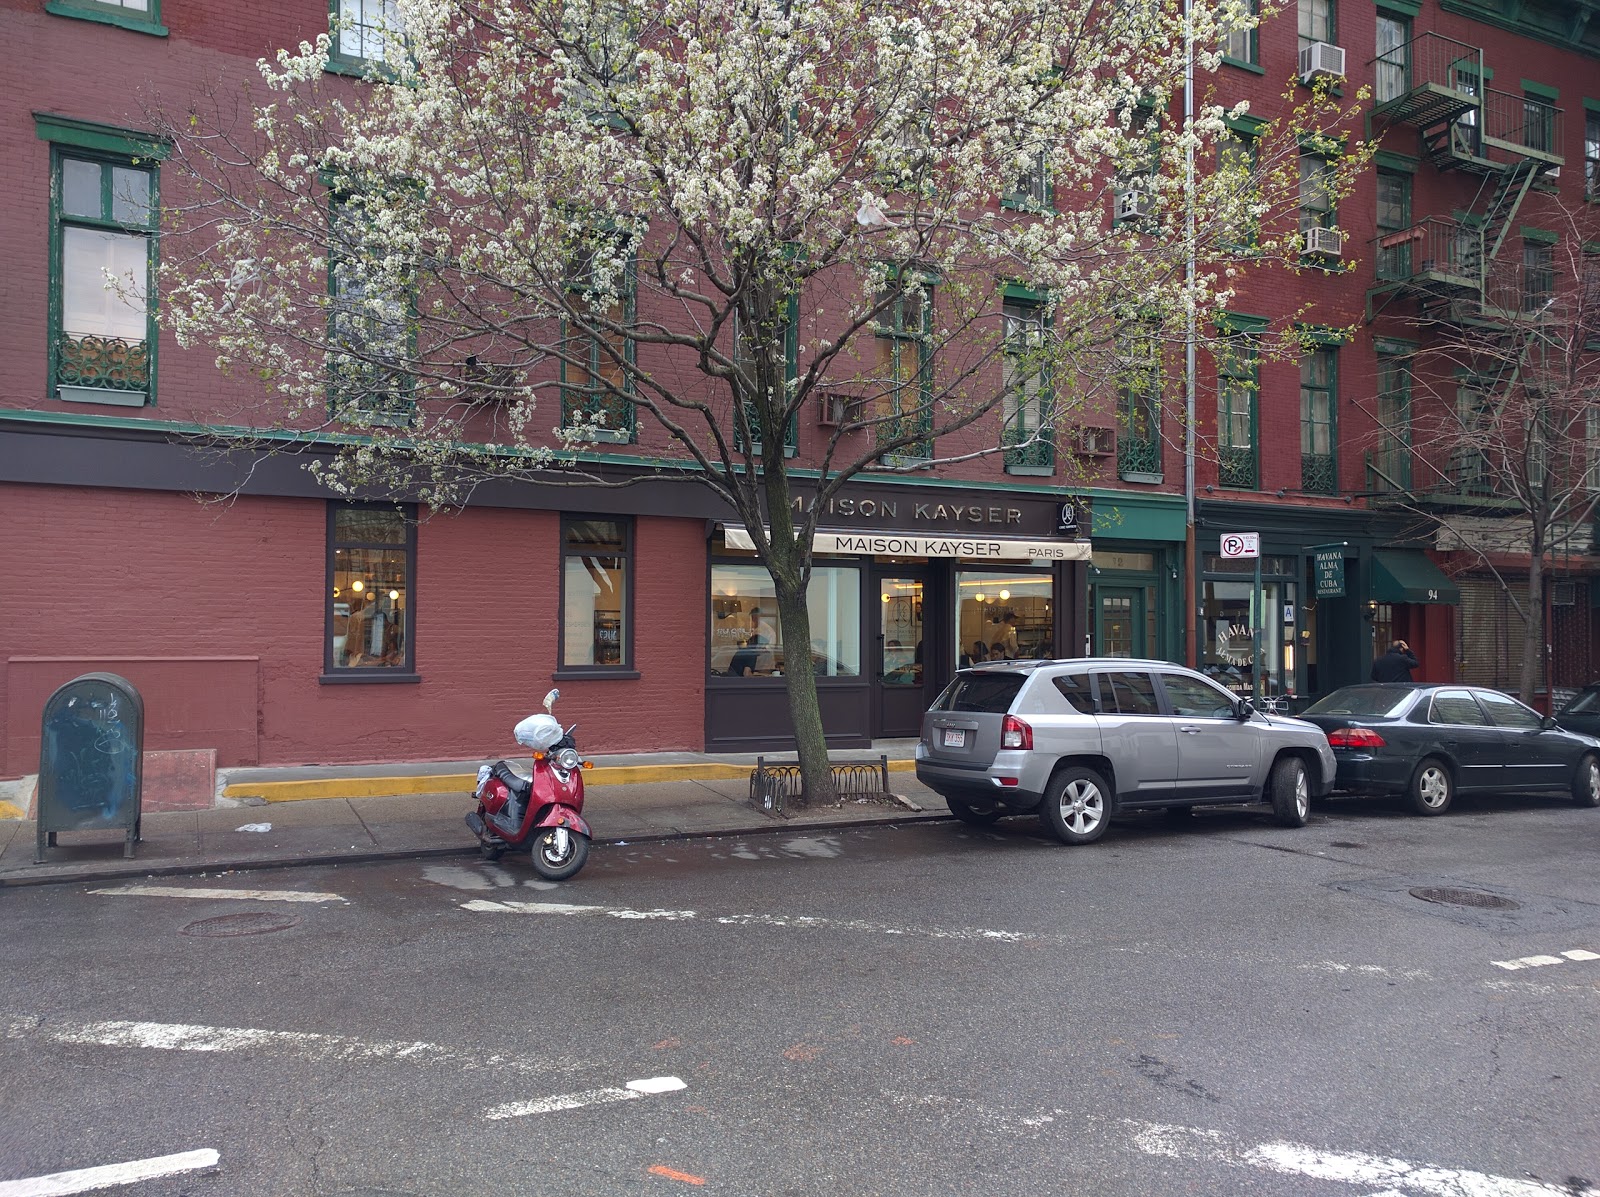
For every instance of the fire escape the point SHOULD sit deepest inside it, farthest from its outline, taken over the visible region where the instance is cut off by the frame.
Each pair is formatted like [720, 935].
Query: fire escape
[1456, 271]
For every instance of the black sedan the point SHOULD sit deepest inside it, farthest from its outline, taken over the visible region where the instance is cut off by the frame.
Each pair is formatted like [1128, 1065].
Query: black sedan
[1427, 742]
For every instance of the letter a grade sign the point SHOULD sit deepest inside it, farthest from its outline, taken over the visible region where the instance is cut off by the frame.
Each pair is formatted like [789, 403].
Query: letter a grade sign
[1241, 544]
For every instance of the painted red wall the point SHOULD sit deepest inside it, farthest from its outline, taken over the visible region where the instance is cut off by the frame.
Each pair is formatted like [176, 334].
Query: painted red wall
[215, 613]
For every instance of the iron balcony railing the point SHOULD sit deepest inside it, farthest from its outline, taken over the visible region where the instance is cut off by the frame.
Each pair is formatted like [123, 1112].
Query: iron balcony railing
[1427, 79]
[1522, 125]
[1435, 250]
[1138, 456]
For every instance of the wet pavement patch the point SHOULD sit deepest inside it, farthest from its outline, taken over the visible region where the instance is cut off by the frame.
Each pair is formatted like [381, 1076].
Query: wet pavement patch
[1464, 897]
[231, 926]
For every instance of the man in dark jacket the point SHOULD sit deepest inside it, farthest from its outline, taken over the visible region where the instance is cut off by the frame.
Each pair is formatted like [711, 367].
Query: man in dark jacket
[1396, 664]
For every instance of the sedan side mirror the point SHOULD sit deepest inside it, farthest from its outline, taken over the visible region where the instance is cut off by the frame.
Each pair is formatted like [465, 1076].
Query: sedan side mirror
[1548, 723]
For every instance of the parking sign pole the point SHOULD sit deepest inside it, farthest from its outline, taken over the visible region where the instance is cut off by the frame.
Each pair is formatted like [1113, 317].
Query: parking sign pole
[1260, 632]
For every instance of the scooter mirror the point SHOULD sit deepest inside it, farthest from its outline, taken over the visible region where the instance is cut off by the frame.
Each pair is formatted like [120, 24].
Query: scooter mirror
[550, 700]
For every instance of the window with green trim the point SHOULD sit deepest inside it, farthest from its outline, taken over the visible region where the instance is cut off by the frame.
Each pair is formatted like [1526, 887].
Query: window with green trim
[1538, 121]
[1390, 466]
[598, 348]
[1469, 467]
[143, 16]
[904, 405]
[1136, 174]
[1394, 216]
[1025, 432]
[104, 214]
[1392, 69]
[1538, 275]
[371, 319]
[367, 33]
[1591, 155]
[1237, 385]
[601, 41]
[1317, 22]
[1238, 164]
[1316, 193]
[1591, 450]
[1319, 401]
[1139, 402]
[748, 359]
[1030, 190]
[1241, 46]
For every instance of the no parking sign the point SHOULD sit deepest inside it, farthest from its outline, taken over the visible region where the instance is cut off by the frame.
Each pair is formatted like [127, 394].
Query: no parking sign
[1241, 544]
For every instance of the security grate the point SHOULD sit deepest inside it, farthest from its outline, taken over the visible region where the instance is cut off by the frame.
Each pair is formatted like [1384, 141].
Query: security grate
[772, 786]
[1465, 897]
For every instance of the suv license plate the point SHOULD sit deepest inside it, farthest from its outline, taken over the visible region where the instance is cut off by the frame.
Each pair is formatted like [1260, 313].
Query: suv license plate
[955, 737]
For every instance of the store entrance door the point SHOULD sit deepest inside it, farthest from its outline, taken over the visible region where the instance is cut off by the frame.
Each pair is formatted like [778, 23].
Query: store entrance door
[1119, 622]
[899, 674]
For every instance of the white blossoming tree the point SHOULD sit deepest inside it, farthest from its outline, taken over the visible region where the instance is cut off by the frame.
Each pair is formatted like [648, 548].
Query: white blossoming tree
[543, 224]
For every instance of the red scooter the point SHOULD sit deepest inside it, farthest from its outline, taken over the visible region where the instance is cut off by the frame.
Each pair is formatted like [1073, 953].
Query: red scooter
[542, 812]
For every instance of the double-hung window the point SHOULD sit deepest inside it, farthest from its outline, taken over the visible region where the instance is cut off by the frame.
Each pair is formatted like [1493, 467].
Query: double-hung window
[1240, 46]
[1538, 275]
[1591, 155]
[141, 15]
[371, 317]
[904, 406]
[601, 41]
[1319, 395]
[1237, 384]
[596, 593]
[1139, 404]
[1316, 22]
[1392, 71]
[1390, 466]
[1239, 172]
[1394, 218]
[1316, 194]
[1030, 189]
[1026, 434]
[367, 35]
[598, 348]
[371, 580]
[104, 217]
[766, 356]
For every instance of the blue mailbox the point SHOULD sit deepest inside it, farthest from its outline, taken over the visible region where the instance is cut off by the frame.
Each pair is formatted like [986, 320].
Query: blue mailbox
[91, 752]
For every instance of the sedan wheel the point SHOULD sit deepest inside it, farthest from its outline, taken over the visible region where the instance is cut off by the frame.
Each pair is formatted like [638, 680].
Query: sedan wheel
[1586, 783]
[1077, 805]
[1431, 788]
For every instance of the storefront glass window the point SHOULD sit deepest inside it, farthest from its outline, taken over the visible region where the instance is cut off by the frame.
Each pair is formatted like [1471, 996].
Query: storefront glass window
[594, 591]
[1230, 651]
[1004, 615]
[747, 637]
[371, 550]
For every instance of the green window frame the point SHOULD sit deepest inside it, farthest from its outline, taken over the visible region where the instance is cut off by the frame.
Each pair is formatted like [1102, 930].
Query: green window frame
[1139, 404]
[905, 355]
[1242, 47]
[1389, 468]
[1319, 414]
[789, 330]
[598, 356]
[141, 16]
[1238, 158]
[1138, 174]
[1238, 384]
[105, 205]
[1392, 68]
[1318, 22]
[371, 329]
[1538, 272]
[1316, 195]
[1394, 216]
[1591, 153]
[360, 31]
[1026, 431]
[600, 39]
[1031, 190]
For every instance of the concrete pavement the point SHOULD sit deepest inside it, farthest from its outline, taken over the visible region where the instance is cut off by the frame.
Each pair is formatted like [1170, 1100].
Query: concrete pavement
[269, 818]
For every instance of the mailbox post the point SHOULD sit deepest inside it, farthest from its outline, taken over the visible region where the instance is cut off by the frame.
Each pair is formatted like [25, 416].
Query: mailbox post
[91, 753]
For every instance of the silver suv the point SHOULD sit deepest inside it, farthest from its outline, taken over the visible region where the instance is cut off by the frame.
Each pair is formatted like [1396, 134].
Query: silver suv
[1080, 740]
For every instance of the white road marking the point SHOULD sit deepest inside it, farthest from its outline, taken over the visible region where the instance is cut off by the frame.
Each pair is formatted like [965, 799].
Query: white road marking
[1544, 960]
[632, 1091]
[1347, 1167]
[198, 891]
[484, 905]
[1370, 970]
[303, 1045]
[85, 1180]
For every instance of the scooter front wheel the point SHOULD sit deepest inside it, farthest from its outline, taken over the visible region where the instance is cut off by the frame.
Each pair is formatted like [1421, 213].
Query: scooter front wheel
[559, 852]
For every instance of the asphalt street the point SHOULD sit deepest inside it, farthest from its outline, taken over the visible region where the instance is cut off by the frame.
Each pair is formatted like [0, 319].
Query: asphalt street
[1203, 1005]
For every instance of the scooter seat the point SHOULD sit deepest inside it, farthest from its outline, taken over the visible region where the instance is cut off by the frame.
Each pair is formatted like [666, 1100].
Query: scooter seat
[519, 785]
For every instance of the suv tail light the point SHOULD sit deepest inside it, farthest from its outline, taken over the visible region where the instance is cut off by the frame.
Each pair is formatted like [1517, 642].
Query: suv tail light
[1014, 733]
[1355, 737]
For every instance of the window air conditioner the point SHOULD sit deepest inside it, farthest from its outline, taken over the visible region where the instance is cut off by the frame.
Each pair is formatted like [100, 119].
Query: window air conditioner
[1563, 594]
[1321, 58]
[1097, 441]
[1329, 243]
[1131, 204]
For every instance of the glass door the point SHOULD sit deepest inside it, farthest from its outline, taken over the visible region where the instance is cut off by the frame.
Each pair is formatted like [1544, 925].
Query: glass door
[1119, 629]
[901, 679]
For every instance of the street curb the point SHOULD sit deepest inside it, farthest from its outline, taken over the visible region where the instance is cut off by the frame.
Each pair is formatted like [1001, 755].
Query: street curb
[121, 871]
[444, 783]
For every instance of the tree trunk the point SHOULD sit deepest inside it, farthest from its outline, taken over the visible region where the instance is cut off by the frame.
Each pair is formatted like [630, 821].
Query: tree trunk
[800, 680]
[1533, 625]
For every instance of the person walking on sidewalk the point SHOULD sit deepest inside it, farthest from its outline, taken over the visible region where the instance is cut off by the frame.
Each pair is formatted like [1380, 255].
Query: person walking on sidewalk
[1396, 664]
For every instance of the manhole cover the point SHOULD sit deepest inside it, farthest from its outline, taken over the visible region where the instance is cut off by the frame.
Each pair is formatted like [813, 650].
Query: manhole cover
[1466, 897]
[228, 926]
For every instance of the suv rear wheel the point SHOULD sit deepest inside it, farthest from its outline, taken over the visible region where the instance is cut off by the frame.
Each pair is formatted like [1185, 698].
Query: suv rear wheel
[1077, 805]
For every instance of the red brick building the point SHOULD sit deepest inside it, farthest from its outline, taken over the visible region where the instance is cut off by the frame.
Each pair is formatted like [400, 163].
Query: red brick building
[281, 626]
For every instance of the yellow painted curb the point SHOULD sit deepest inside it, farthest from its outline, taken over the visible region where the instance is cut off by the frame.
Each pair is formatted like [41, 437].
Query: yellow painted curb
[10, 811]
[385, 787]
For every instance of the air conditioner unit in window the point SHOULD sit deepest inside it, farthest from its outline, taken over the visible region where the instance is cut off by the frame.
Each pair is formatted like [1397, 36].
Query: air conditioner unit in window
[1131, 203]
[1563, 594]
[1097, 441]
[1328, 243]
[1319, 59]
[838, 407]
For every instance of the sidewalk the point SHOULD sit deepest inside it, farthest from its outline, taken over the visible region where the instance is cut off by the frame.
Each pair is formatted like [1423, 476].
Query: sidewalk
[348, 814]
